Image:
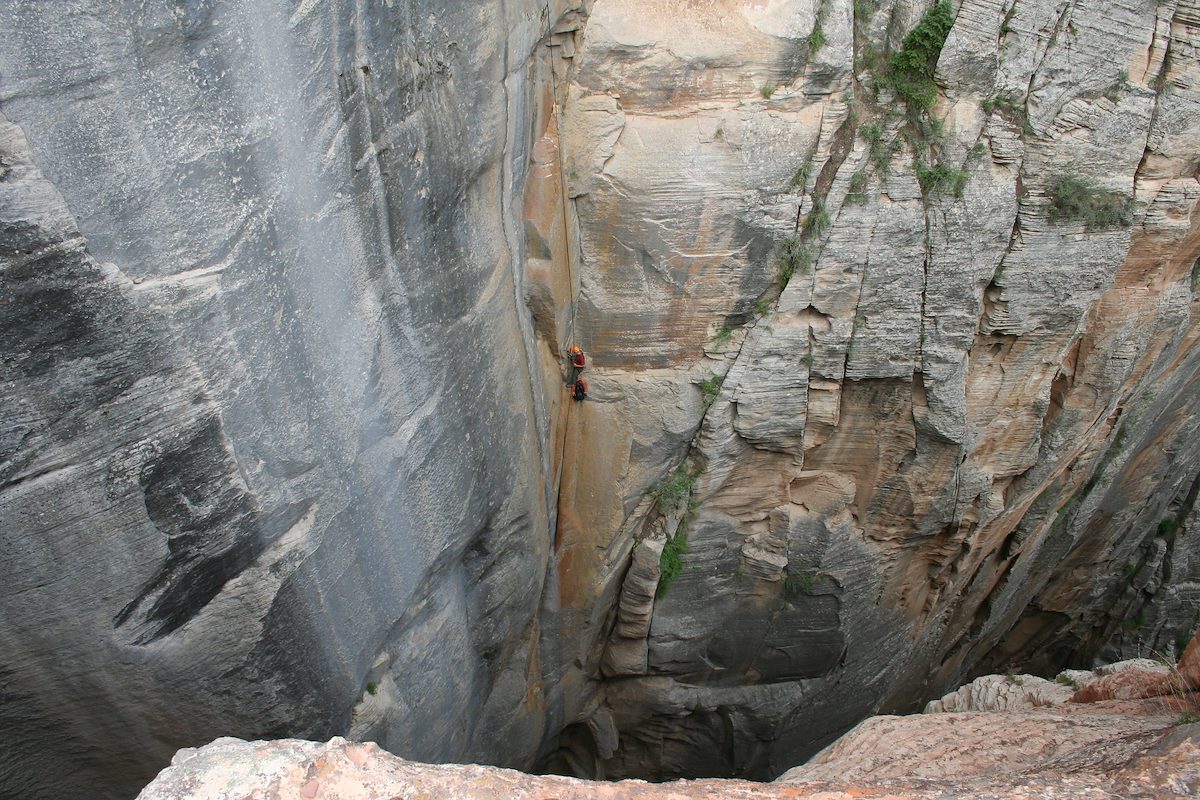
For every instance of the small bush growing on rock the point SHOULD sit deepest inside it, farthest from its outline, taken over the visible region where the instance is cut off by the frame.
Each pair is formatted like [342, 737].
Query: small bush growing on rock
[1076, 198]
[881, 154]
[763, 308]
[724, 335]
[372, 688]
[767, 90]
[1135, 623]
[910, 73]
[801, 177]
[1066, 681]
[794, 257]
[857, 195]
[670, 563]
[800, 583]
[864, 10]
[1168, 526]
[942, 179]
[817, 221]
[674, 488]
[710, 388]
[816, 39]
[1010, 108]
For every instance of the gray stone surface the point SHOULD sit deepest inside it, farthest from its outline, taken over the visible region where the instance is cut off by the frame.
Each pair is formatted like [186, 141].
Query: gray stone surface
[271, 451]
[284, 446]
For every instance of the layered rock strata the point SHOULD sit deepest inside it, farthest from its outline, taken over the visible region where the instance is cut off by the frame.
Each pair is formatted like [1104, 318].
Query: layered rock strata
[285, 447]
[962, 434]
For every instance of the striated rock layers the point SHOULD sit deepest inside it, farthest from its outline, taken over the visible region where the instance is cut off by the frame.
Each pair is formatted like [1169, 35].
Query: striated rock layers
[962, 437]
[906, 358]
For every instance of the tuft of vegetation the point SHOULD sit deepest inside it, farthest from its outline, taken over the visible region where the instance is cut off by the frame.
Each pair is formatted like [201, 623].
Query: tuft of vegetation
[767, 90]
[724, 335]
[763, 308]
[864, 10]
[372, 688]
[817, 221]
[669, 494]
[1128, 570]
[1168, 526]
[800, 179]
[857, 194]
[1014, 679]
[670, 563]
[942, 179]
[816, 39]
[674, 488]
[1010, 108]
[710, 388]
[1066, 681]
[881, 154]
[1118, 85]
[1080, 199]
[1118, 442]
[796, 584]
[794, 256]
[910, 72]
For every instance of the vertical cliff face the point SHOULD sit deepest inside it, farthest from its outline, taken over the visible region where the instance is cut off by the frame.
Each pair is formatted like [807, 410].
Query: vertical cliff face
[963, 433]
[275, 452]
[904, 351]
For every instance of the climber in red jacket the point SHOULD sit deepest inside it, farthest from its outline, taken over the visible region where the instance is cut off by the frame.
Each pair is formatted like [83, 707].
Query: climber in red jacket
[578, 357]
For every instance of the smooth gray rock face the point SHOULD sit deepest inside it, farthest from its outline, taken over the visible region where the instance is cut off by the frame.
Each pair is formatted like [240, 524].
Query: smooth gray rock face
[271, 445]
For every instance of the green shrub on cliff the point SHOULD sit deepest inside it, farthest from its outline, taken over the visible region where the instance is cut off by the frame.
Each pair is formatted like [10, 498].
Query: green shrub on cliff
[1080, 199]
[941, 179]
[673, 488]
[670, 563]
[794, 256]
[910, 72]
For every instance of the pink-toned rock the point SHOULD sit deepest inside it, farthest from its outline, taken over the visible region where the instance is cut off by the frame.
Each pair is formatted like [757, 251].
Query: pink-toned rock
[1130, 684]
[1069, 751]
[1189, 663]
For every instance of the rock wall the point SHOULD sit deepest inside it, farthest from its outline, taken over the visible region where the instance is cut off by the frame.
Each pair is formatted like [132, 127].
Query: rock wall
[285, 447]
[961, 437]
[275, 457]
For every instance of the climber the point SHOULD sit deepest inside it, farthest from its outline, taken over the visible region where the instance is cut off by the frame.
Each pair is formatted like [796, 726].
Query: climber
[580, 389]
[578, 357]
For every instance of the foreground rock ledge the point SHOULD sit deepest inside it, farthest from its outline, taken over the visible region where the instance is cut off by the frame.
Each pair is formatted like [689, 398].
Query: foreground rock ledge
[1107, 749]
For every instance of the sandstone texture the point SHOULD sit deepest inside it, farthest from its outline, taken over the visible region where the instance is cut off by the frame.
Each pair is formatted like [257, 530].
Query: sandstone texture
[286, 448]
[1101, 753]
[1076, 749]
[962, 438]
